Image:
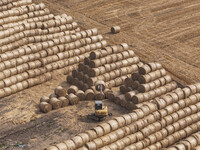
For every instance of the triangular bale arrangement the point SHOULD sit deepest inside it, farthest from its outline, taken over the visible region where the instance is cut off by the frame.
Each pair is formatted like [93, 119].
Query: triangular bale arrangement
[112, 64]
[149, 82]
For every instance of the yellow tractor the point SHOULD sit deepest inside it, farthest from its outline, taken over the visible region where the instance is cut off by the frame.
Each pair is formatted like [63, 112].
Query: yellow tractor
[100, 111]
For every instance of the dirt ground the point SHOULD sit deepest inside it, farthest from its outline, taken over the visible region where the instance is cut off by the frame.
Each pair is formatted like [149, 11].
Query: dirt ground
[166, 31]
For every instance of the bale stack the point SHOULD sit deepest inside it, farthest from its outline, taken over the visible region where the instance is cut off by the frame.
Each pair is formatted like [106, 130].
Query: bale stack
[149, 82]
[112, 64]
[61, 97]
[34, 42]
[54, 101]
[180, 115]
[71, 95]
[191, 142]
[173, 125]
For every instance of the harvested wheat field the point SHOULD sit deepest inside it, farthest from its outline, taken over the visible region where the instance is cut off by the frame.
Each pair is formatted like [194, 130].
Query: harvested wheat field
[53, 52]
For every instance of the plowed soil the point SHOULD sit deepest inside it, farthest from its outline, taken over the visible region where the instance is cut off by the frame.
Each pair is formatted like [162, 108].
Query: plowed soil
[166, 31]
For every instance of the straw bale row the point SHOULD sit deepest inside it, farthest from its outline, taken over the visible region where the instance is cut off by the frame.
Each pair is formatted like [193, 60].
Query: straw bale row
[34, 43]
[175, 125]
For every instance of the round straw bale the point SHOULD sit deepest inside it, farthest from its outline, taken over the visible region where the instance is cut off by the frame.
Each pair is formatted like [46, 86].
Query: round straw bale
[70, 144]
[144, 69]
[115, 29]
[72, 89]
[192, 88]
[120, 144]
[45, 107]
[106, 127]
[99, 143]
[114, 124]
[81, 95]
[85, 137]
[52, 148]
[113, 137]
[89, 94]
[138, 98]
[55, 103]
[73, 99]
[44, 99]
[92, 134]
[61, 146]
[127, 119]
[78, 141]
[60, 91]
[139, 113]
[187, 92]
[121, 121]
[180, 93]
[105, 139]
[64, 100]
[144, 88]
[99, 130]
[91, 145]
[129, 95]
[197, 87]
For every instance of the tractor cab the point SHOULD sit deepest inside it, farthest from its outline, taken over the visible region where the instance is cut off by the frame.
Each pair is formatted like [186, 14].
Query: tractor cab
[98, 105]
